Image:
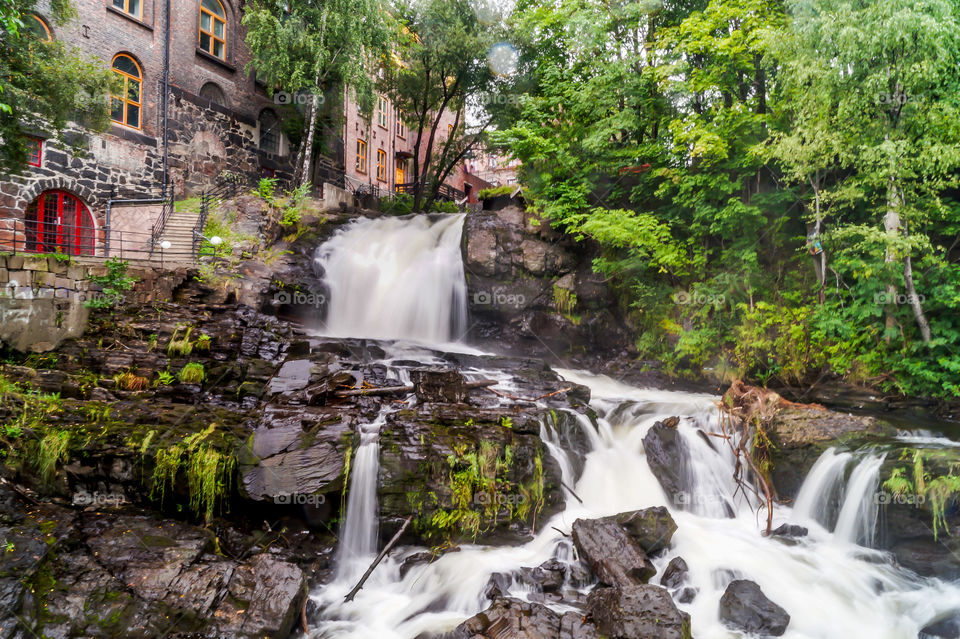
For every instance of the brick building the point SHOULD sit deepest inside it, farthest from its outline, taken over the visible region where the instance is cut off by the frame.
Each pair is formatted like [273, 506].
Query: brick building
[378, 151]
[218, 119]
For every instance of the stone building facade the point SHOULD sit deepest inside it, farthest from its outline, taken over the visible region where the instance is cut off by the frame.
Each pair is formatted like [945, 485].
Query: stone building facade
[218, 119]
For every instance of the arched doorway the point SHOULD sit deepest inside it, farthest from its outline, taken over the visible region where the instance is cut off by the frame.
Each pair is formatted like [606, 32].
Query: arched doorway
[58, 222]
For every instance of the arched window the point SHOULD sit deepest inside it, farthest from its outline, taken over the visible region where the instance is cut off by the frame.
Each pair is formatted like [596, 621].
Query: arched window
[213, 28]
[39, 27]
[269, 131]
[214, 93]
[58, 222]
[125, 104]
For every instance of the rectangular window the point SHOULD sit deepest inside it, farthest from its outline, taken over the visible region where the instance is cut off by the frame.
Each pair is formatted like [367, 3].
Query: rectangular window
[34, 151]
[381, 165]
[361, 156]
[382, 111]
[132, 7]
[401, 127]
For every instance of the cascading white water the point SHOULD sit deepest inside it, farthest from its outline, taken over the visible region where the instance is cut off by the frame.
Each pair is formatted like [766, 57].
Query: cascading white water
[831, 588]
[395, 278]
[358, 536]
[857, 522]
[819, 491]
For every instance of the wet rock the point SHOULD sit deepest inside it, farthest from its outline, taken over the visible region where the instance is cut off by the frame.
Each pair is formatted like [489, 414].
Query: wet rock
[263, 599]
[801, 433]
[667, 456]
[948, 628]
[438, 385]
[675, 573]
[613, 555]
[497, 586]
[652, 528]
[686, 594]
[631, 612]
[548, 576]
[511, 618]
[744, 607]
[573, 625]
[789, 530]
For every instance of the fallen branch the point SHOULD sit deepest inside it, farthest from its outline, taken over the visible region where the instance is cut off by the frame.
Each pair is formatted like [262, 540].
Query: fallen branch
[562, 483]
[528, 399]
[383, 553]
[303, 618]
[394, 390]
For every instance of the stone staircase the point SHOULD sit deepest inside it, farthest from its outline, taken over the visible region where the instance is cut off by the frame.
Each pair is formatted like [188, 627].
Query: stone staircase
[179, 232]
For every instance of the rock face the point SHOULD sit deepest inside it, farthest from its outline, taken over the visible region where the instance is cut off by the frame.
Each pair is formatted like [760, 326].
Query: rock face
[532, 288]
[634, 612]
[801, 433]
[613, 555]
[95, 574]
[744, 607]
[667, 456]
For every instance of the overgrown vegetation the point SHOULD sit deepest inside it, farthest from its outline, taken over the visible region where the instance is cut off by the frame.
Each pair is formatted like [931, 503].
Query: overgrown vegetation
[773, 186]
[940, 492]
[112, 285]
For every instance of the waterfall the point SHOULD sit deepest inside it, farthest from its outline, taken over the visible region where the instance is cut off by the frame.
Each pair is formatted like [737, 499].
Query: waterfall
[858, 517]
[358, 535]
[817, 497]
[403, 279]
[395, 278]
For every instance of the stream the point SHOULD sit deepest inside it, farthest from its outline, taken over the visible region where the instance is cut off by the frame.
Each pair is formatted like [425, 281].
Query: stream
[402, 280]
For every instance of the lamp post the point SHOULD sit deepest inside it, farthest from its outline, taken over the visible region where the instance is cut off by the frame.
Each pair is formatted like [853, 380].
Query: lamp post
[164, 245]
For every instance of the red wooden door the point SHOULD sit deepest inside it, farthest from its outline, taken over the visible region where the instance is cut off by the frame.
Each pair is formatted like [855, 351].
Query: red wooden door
[58, 222]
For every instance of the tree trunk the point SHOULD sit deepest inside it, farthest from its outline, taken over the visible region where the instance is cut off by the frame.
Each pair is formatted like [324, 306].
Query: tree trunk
[891, 224]
[304, 170]
[915, 304]
[819, 266]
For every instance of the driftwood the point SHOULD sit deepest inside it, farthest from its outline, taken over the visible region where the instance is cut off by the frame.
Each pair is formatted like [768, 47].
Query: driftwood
[529, 399]
[564, 484]
[396, 390]
[745, 412]
[383, 553]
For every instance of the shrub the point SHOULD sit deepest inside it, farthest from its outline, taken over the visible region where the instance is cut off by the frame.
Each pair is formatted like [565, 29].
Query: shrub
[112, 285]
[192, 373]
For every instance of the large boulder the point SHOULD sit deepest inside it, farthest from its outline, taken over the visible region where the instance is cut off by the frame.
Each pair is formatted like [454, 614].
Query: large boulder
[637, 612]
[744, 607]
[651, 528]
[613, 555]
[511, 618]
[667, 457]
[948, 628]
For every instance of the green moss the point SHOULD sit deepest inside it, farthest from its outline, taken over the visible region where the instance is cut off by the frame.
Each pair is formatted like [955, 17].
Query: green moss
[181, 346]
[53, 449]
[192, 373]
[496, 191]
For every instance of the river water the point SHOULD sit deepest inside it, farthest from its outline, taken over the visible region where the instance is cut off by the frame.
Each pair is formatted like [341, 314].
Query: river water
[402, 279]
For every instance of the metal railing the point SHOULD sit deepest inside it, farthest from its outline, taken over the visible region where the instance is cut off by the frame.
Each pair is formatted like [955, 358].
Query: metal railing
[445, 192]
[28, 237]
[158, 227]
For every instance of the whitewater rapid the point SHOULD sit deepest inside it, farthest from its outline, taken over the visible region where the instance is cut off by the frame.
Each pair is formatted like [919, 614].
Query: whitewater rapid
[832, 585]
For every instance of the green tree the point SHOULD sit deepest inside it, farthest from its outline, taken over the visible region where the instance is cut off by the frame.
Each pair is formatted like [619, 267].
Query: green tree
[872, 91]
[441, 61]
[306, 46]
[43, 85]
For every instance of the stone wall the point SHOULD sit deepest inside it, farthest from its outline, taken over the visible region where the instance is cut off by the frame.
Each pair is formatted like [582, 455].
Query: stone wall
[42, 299]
